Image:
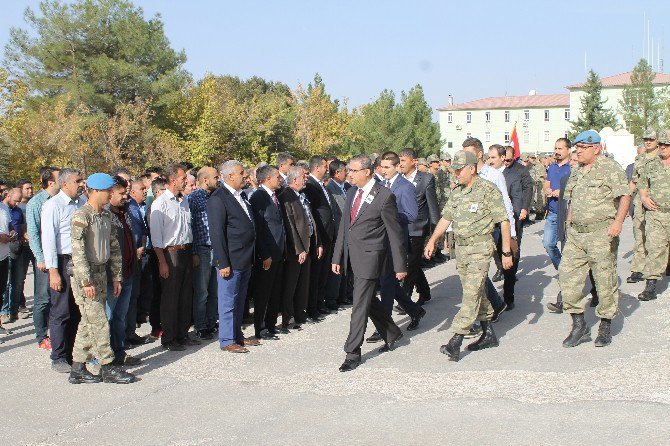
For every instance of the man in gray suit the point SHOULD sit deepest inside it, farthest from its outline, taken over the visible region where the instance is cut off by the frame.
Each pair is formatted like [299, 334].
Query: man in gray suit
[368, 228]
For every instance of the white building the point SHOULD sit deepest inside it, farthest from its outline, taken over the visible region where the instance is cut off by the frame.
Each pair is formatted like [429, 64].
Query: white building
[540, 119]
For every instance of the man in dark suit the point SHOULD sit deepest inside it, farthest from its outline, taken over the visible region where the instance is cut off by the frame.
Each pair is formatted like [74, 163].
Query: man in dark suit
[336, 288]
[429, 214]
[233, 237]
[302, 241]
[322, 205]
[270, 248]
[370, 227]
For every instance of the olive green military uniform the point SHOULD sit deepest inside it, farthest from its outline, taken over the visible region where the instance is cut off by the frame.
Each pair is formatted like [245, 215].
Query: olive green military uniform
[637, 263]
[539, 175]
[592, 193]
[92, 248]
[474, 211]
[656, 179]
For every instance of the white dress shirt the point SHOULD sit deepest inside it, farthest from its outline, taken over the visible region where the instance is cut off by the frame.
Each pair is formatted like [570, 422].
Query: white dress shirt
[389, 183]
[238, 196]
[56, 215]
[4, 229]
[366, 191]
[496, 177]
[170, 221]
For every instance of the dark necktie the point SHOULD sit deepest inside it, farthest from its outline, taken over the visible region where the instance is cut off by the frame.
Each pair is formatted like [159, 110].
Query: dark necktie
[274, 198]
[356, 207]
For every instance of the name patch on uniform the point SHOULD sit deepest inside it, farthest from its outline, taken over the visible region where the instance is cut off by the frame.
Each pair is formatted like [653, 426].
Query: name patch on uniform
[369, 199]
[474, 207]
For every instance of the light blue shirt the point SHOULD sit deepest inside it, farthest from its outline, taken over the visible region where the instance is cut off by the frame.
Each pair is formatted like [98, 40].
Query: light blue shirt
[56, 218]
[33, 219]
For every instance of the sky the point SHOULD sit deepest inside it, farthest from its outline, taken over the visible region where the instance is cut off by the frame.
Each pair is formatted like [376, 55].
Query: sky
[467, 49]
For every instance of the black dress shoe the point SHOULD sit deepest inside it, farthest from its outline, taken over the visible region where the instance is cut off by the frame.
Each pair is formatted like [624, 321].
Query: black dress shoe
[80, 375]
[423, 298]
[138, 340]
[283, 330]
[497, 312]
[390, 346]
[376, 337]
[313, 320]
[510, 306]
[635, 277]
[349, 364]
[401, 311]
[174, 347]
[498, 276]
[325, 311]
[414, 324]
[204, 335]
[267, 336]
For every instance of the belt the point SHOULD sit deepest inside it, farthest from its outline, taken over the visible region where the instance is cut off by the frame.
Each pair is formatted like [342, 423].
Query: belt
[590, 227]
[465, 241]
[178, 247]
[65, 256]
[95, 268]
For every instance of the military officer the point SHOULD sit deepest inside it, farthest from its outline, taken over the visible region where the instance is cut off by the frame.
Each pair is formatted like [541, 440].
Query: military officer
[650, 139]
[538, 173]
[443, 190]
[92, 248]
[475, 207]
[598, 196]
[654, 191]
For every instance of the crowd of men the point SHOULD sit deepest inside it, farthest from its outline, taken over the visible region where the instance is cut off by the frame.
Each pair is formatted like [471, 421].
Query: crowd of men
[300, 240]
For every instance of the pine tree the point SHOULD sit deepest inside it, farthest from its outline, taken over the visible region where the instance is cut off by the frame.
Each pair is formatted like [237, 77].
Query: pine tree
[641, 104]
[593, 114]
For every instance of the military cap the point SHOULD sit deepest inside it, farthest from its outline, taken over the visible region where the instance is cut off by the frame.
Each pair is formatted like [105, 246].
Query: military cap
[433, 159]
[446, 157]
[524, 157]
[100, 181]
[532, 155]
[664, 136]
[650, 134]
[462, 159]
[589, 137]
[422, 162]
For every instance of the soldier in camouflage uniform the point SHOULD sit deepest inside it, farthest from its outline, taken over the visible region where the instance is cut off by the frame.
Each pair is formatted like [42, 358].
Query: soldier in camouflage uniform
[654, 191]
[538, 173]
[442, 188]
[599, 198]
[639, 251]
[475, 207]
[93, 248]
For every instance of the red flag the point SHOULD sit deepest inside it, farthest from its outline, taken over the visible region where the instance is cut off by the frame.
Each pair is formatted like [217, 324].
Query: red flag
[514, 142]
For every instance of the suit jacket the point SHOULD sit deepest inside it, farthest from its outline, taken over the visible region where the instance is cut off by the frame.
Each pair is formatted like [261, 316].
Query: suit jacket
[231, 231]
[426, 199]
[296, 224]
[270, 234]
[365, 242]
[514, 190]
[526, 184]
[339, 196]
[562, 214]
[321, 209]
[408, 209]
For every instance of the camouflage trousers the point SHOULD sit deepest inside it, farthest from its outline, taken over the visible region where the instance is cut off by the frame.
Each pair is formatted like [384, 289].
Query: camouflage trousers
[93, 332]
[450, 244]
[539, 200]
[657, 228]
[639, 249]
[472, 264]
[590, 250]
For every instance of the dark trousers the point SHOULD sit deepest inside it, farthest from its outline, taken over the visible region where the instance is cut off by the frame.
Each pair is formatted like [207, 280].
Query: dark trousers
[155, 304]
[177, 295]
[64, 316]
[4, 276]
[318, 279]
[367, 305]
[267, 294]
[510, 274]
[391, 290]
[415, 275]
[295, 290]
[145, 291]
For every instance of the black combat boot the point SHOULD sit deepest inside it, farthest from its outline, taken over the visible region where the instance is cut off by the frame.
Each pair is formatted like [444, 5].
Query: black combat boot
[580, 331]
[453, 348]
[114, 374]
[486, 340]
[80, 375]
[649, 292]
[635, 277]
[604, 336]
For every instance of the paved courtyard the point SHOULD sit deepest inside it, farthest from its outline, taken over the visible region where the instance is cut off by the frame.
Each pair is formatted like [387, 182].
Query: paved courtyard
[530, 390]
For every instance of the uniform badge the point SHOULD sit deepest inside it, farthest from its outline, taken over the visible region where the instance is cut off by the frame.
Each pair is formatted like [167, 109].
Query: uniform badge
[474, 207]
[369, 198]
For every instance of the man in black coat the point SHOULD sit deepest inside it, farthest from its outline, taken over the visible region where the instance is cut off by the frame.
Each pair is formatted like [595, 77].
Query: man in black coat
[336, 288]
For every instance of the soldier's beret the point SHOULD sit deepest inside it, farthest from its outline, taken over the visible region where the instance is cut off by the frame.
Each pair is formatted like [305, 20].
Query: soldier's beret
[100, 181]
[588, 137]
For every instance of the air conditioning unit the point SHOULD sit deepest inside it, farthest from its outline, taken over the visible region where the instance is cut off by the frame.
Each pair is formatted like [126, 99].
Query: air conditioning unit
[458, 127]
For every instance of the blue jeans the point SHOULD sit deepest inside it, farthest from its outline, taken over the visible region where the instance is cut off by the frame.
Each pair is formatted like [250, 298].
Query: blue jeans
[41, 304]
[492, 294]
[550, 240]
[18, 268]
[232, 294]
[116, 309]
[204, 291]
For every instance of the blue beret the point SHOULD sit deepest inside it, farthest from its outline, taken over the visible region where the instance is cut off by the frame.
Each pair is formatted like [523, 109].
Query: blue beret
[588, 137]
[100, 181]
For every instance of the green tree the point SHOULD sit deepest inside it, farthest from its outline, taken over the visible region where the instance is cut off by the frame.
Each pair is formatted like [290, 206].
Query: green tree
[593, 114]
[374, 127]
[417, 128]
[641, 104]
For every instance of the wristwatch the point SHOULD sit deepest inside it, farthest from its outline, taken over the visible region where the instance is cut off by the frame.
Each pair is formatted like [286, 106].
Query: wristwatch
[507, 253]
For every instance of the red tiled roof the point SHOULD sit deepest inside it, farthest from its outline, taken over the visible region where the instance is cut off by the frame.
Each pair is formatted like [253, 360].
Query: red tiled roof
[543, 100]
[622, 79]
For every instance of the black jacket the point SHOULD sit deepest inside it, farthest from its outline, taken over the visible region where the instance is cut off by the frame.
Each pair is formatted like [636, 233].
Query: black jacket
[322, 210]
[270, 235]
[519, 187]
[426, 199]
[231, 231]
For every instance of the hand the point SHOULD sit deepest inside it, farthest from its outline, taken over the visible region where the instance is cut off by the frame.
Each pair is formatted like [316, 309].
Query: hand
[649, 203]
[507, 262]
[319, 252]
[89, 292]
[196, 260]
[140, 253]
[336, 268]
[225, 272]
[523, 214]
[42, 267]
[55, 282]
[267, 263]
[302, 257]
[429, 249]
[514, 247]
[400, 276]
[614, 229]
[26, 238]
[117, 288]
[163, 270]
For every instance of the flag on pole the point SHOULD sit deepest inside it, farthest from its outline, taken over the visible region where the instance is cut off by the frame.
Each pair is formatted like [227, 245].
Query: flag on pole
[514, 142]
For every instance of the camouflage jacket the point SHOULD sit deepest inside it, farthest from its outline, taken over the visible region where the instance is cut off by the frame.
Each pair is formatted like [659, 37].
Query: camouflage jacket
[639, 165]
[442, 187]
[656, 177]
[538, 172]
[93, 245]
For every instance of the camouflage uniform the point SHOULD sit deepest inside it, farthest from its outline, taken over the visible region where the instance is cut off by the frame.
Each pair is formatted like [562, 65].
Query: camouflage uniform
[592, 194]
[656, 178]
[637, 263]
[539, 175]
[92, 248]
[474, 212]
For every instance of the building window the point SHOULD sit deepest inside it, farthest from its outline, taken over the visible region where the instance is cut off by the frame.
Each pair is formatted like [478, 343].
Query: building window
[506, 137]
[526, 137]
[488, 116]
[450, 118]
[526, 115]
[567, 114]
[450, 145]
[567, 133]
[468, 117]
[506, 115]
[487, 136]
[546, 135]
[546, 115]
